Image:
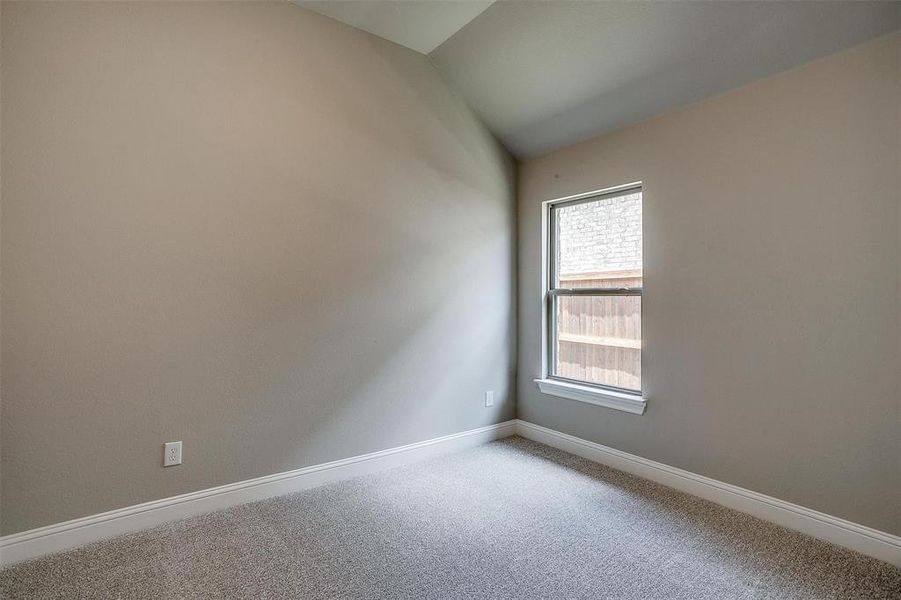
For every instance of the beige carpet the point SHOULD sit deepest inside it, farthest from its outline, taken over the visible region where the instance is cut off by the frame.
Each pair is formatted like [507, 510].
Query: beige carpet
[512, 519]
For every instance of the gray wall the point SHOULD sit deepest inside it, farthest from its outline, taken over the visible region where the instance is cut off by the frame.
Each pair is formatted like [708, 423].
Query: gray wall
[771, 274]
[240, 225]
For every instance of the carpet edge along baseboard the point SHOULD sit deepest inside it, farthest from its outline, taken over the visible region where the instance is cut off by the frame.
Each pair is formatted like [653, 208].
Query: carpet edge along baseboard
[70, 534]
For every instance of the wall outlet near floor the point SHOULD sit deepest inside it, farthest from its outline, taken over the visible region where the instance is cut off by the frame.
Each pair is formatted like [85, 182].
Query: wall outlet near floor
[489, 398]
[171, 454]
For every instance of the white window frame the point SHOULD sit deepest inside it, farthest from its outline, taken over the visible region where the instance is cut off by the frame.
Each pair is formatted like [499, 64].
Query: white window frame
[625, 400]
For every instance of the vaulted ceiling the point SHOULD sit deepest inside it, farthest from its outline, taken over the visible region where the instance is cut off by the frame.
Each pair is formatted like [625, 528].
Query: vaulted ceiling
[420, 25]
[546, 74]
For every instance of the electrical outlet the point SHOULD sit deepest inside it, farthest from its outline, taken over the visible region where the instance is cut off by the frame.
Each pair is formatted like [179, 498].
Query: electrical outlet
[171, 454]
[489, 398]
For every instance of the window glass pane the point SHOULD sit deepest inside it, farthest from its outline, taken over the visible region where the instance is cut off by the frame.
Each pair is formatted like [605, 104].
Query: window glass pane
[598, 340]
[598, 243]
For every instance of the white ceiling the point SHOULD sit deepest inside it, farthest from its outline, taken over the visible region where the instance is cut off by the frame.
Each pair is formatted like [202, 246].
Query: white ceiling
[545, 74]
[420, 25]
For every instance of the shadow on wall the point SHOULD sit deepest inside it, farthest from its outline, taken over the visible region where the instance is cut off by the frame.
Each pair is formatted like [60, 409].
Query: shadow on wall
[263, 233]
[400, 347]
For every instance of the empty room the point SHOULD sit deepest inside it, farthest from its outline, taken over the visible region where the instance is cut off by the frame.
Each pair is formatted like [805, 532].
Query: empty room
[450, 299]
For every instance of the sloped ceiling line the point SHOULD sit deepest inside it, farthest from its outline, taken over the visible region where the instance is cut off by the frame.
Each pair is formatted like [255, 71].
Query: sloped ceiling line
[546, 74]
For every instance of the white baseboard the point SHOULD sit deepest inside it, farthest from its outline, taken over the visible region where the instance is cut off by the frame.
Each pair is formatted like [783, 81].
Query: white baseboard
[63, 536]
[865, 540]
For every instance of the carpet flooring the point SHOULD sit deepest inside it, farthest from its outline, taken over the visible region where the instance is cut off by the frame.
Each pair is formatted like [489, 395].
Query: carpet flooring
[511, 519]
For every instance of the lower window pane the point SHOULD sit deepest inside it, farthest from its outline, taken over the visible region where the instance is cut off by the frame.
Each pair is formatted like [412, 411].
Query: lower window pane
[598, 340]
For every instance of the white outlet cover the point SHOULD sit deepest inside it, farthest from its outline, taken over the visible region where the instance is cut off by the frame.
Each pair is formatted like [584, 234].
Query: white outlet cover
[171, 454]
[489, 398]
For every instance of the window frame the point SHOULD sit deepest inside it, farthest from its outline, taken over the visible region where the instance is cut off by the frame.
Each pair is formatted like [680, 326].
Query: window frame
[584, 391]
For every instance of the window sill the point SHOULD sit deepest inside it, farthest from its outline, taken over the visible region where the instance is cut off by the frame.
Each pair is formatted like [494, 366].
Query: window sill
[632, 403]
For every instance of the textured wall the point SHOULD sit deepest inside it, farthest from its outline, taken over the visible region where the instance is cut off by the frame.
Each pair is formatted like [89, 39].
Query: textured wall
[240, 225]
[771, 276]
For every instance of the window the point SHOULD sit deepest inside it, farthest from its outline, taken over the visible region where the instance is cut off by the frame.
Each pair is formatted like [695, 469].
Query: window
[593, 298]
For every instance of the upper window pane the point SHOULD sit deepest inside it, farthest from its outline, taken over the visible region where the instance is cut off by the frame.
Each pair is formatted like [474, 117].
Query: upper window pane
[598, 243]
